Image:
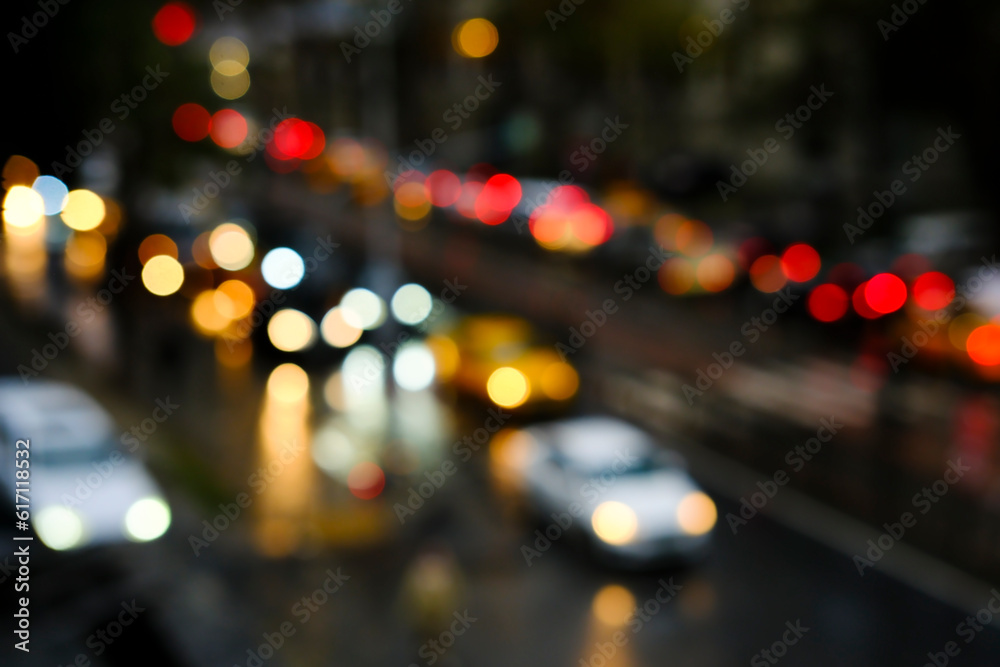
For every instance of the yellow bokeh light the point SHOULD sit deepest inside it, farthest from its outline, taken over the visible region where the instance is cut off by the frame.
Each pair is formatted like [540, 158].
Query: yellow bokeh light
[22, 207]
[206, 316]
[696, 514]
[475, 38]
[288, 383]
[230, 87]
[163, 275]
[84, 210]
[337, 332]
[229, 56]
[559, 381]
[234, 299]
[614, 522]
[508, 387]
[613, 605]
[231, 246]
[291, 330]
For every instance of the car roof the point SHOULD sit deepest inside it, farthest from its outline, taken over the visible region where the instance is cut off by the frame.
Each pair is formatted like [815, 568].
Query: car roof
[596, 442]
[55, 415]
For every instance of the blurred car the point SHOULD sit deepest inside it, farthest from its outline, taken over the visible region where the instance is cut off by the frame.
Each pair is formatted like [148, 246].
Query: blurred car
[632, 500]
[498, 360]
[81, 489]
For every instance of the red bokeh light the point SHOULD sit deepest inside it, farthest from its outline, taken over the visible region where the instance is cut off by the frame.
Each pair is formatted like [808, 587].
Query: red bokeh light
[800, 262]
[292, 138]
[885, 293]
[861, 306]
[933, 290]
[983, 345]
[318, 142]
[366, 480]
[443, 187]
[827, 303]
[174, 23]
[192, 122]
[228, 128]
[499, 196]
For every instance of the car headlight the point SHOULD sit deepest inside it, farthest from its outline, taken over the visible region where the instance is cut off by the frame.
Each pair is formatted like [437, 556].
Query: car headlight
[696, 513]
[147, 519]
[58, 527]
[614, 522]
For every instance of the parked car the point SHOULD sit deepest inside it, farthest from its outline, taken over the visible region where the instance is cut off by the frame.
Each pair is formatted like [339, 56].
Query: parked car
[83, 487]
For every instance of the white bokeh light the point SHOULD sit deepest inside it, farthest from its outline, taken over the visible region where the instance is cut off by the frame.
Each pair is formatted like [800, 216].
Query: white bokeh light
[363, 309]
[413, 367]
[283, 268]
[411, 304]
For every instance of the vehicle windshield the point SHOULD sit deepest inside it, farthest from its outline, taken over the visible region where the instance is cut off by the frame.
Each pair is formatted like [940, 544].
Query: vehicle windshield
[636, 465]
[77, 453]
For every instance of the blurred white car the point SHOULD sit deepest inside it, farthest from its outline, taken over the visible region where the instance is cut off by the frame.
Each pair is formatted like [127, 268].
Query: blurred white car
[631, 498]
[83, 489]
